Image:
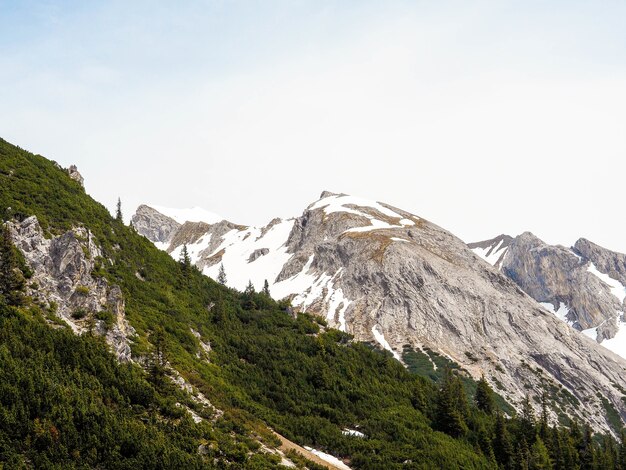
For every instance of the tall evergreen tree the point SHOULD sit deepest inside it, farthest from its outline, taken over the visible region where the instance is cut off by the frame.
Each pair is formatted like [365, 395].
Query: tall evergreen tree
[118, 211]
[249, 288]
[266, 288]
[539, 456]
[484, 396]
[452, 409]
[502, 444]
[586, 451]
[221, 275]
[159, 356]
[185, 262]
[527, 420]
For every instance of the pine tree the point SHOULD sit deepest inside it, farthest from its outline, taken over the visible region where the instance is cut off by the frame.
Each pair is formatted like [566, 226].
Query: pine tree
[159, 356]
[12, 282]
[622, 453]
[528, 421]
[185, 262]
[522, 459]
[452, 410]
[502, 444]
[249, 289]
[118, 212]
[221, 275]
[266, 288]
[586, 451]
[539, 456]
[484, 397]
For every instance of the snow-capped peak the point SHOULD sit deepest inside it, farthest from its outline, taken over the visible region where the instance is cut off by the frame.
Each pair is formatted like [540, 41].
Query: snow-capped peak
[193, 214]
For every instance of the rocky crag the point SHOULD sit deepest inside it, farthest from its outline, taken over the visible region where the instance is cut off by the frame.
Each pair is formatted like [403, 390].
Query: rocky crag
[63, 276]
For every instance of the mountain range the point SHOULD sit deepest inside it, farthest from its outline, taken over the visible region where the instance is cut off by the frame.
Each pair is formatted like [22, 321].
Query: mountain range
[396, 280]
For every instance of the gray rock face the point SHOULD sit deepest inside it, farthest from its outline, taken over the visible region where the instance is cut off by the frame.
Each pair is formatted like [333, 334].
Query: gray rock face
[574, 281]
[395, 279]
[73, 172]
[62, 268]
[154, 225]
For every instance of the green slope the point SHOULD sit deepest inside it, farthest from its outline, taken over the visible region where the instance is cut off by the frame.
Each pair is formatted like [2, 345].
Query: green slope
[265, 367]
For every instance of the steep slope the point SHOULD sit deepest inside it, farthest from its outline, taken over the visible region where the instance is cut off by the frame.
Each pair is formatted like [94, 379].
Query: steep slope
[583, 285]
[390, 277]
[222, 365]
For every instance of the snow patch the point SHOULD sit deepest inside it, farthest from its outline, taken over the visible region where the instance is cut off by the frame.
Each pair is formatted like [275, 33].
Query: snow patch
[617, 288]
[338, 204]
[561, 313]
[193, 214]
[352, 432]
[380, 338]
[617, 344]
[337, 303]
[591, 333]
[237, 246]
[491, 254]
[328, 458]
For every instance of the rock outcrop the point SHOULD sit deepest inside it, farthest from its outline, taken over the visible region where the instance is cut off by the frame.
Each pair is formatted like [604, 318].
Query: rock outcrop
[73, 173]
[63, 279]
[154, 225]
[392, 278]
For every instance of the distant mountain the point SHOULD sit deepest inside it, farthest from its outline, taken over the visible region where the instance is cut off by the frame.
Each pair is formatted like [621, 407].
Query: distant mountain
[394, 279]
[584, 285]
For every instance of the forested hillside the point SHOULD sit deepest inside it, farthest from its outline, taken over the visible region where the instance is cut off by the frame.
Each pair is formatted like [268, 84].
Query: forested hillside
[65, 402]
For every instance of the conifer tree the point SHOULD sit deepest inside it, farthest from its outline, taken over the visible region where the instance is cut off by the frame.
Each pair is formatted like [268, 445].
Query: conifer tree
[539, 456]
[266, 288]
[118, 211]
[185, 261]
[452, 407]
[159, 356]
[249, 288]
[522, 459]
[502, 444]
[586, 451]
[528, 421]
[221, 275]
[484, 397]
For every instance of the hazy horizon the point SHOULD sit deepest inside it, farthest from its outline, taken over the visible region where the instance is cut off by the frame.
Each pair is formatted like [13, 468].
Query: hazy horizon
[487, 118]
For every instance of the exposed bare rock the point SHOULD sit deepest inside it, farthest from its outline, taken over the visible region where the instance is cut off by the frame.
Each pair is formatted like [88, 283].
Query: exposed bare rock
[154, 225]
[256, 254]
[583, 285]
[62, 274]
[392, 278]
[73, 172]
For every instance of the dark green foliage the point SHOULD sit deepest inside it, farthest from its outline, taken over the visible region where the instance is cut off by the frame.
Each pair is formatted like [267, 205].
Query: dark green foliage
[12, 281]
[221, 275]
[118, 211]
[61, 393]
[452, 409]
[484, 397]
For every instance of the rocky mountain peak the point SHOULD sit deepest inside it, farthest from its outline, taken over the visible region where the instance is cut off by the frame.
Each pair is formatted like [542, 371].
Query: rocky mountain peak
[154, 225]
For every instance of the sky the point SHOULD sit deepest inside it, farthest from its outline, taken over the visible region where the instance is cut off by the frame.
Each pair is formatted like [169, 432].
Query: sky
[482, 117]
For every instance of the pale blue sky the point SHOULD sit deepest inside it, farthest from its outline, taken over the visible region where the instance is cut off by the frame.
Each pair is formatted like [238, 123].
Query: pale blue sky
[484, 117]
